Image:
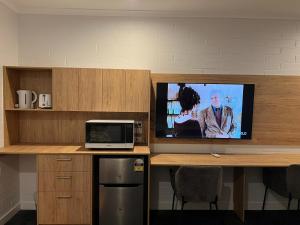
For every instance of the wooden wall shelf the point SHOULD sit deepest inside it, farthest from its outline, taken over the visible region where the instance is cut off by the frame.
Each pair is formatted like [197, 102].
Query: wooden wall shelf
[30, 110]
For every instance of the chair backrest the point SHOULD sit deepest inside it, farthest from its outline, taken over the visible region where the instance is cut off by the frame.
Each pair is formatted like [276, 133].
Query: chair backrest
[198, 183]
[275, 179]
[293, 181]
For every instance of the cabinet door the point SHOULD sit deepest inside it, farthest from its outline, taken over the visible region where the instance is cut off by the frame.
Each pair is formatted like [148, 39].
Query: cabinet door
[125, 205]
[113, 90]
[65, 89]
[137, 90]
[90, 90]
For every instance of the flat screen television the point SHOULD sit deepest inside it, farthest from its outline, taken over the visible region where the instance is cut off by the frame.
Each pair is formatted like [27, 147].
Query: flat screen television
[202, 110]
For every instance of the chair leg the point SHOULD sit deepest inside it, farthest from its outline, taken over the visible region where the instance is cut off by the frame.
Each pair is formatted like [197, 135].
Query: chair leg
[176, 203]
[289, 204]
[265, 196]
[182, 203]
[181, 213]
[216, 203]
[173, 202]
[210, 206]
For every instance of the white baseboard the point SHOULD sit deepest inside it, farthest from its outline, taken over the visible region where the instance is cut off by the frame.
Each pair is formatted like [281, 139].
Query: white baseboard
[27, 205]
[10, 214]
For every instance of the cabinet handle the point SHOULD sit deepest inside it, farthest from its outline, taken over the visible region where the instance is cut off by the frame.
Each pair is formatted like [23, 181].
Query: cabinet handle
[64, 177]
[63, 159]
[64, 196]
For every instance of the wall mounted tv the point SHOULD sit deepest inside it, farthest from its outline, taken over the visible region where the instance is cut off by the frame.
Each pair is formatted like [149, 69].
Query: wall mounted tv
[199, 110]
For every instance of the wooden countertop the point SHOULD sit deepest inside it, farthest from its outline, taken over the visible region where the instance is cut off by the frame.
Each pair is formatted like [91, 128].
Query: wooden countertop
[68, 149]
[233, 160]
[226, 160]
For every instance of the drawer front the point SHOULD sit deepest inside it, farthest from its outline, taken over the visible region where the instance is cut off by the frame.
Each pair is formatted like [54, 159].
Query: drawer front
[64, 208]
[64, 163]
[73, 208]
[64, 181]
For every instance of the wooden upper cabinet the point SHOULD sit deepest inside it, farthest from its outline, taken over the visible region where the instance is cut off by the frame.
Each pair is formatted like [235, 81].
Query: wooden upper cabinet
[65, 89]
[97, 90]
[137, 90]
[114, 82]
[90, 90]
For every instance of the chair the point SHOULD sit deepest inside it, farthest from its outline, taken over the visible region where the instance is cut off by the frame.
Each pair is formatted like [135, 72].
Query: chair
[275, 180]
[293, 184]
[198, 184]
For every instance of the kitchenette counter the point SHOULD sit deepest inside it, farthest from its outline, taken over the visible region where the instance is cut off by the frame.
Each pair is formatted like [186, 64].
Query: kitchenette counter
[69, 149]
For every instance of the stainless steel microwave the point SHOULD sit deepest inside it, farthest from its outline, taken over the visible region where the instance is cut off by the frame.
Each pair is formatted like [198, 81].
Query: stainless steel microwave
[109, 134]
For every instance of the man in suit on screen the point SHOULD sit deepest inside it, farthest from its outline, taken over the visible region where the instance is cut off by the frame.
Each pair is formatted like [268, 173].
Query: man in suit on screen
[216, 121]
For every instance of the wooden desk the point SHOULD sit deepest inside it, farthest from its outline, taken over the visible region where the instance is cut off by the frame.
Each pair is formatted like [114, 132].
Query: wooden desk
[239, 162]
[228, 160]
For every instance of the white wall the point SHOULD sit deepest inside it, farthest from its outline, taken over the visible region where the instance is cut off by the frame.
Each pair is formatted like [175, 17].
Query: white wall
[171, 45]
[9, 177]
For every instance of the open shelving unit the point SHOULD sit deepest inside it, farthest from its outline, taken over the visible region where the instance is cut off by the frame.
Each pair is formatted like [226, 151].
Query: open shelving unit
[37, 79]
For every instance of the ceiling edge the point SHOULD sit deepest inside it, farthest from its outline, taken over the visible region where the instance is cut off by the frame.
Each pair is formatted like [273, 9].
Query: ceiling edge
[137, 13]
[130, 13]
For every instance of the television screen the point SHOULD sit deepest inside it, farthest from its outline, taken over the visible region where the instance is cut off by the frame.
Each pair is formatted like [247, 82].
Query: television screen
[204, 110]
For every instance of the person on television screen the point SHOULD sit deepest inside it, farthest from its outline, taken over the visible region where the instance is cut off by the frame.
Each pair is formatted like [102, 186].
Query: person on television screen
[185, 124]
[216, 121]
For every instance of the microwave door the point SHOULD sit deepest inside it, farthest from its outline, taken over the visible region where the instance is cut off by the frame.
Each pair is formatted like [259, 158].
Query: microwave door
[105, 133]
[109, 134]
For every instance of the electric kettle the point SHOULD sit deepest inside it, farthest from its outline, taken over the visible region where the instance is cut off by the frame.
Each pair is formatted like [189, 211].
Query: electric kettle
[26, 99]
[45, 101]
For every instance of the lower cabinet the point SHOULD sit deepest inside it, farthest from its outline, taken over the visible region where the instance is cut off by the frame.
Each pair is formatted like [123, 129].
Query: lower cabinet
[64, 208]
[64, 189]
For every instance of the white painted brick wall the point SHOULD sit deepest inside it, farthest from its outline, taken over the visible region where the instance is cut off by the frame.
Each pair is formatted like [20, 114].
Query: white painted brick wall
[237, 46]
[170, 45]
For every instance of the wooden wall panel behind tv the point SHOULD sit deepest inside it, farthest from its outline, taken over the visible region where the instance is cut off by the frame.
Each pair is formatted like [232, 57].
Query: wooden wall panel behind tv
[276, 117]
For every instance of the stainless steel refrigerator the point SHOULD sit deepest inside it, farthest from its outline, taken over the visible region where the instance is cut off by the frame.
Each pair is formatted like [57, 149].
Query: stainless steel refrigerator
[121, 191]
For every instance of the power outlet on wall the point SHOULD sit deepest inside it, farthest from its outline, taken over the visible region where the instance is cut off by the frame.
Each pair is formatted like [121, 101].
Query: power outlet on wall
[139, 136]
